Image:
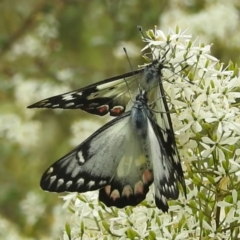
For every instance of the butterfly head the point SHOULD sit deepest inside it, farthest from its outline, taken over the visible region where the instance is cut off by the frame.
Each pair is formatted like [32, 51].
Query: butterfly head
[142, 96]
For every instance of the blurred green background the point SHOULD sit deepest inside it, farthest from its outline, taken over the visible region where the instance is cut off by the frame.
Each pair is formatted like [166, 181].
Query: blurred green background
[50, 47]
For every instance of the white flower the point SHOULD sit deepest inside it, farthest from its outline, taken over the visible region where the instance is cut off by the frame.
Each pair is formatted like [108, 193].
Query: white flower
[65, 75]
[32, 207]
[218, 145]
[15, 130]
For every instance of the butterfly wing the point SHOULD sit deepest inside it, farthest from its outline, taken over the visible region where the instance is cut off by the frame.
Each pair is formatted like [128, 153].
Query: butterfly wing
[163, 151]
[165, 181]
[168, 137]
[107, 96]
[111, 160]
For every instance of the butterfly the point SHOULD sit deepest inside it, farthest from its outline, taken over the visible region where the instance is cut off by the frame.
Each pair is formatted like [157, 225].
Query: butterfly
[121, 160]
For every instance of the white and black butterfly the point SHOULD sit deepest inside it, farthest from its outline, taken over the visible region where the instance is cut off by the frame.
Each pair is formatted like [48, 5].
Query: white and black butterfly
[122, 159]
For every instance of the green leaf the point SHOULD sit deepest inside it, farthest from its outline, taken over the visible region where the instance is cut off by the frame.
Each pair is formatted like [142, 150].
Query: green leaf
[68, 230]
[132, 234]
[82, 227]
[106, 226]
[152, 235]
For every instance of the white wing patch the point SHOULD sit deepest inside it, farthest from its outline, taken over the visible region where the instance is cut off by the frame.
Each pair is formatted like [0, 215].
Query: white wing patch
[105, 86]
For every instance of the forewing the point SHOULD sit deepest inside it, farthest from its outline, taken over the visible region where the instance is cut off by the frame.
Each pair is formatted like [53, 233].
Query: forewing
[107, 96]
[111, 160]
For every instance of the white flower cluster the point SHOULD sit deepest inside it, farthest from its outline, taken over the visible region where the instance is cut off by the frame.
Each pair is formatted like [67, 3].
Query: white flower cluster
[15, 130]
[21, 129]
[214, 21]
[34, 44]
[203, 99]
[9, 231]
[32, 206]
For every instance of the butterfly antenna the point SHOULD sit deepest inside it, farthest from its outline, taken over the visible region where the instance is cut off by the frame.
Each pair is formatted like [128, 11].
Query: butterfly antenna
[141, 31]
[125, 50]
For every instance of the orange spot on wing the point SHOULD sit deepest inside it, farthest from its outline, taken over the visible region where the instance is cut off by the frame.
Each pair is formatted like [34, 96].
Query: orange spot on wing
[107, 189]
[116, 111]
[138, 188]
[103, 109]
[127, 191]
[115, 195]
[147, 176]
